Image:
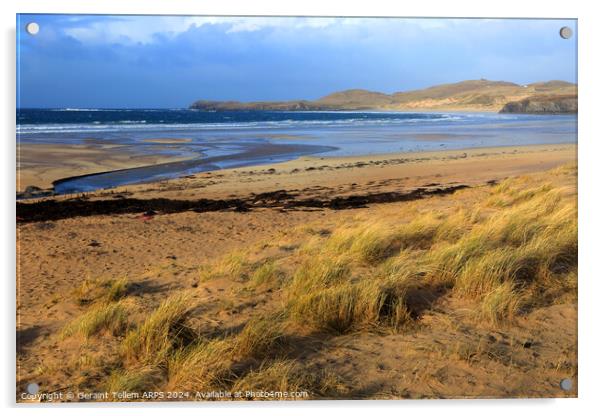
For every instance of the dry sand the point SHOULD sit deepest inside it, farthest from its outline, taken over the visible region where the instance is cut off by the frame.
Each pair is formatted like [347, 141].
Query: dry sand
[160, 254]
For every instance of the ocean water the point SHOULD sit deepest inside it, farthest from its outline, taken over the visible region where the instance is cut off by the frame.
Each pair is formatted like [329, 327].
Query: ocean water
[241, 138]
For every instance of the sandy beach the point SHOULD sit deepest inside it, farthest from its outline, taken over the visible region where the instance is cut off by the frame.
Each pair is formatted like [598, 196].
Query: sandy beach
[341, 176]
[45, 164]
[444, 352]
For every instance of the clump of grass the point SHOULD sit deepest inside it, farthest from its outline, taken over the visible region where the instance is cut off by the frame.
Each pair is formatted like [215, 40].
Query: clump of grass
[482, 274]
[159, 333]
[518, 225]
[376, 241]
[208, 364]
[116, 289]
[258, 338]
[558, 289]
[510, 228]
[234, 266]
[282, 375]
[134, 380]
[421, 232]
[446, 262]
[103, 316]
[200, 366]
[569, 168]
[266, 274]
[352, 306]
[93, 289]
[501, 304]
[276, 376]
[401, 267]
[393, 301]
[317, 273]
[506, 194]
[87, 291]
[369, 243]
[336, 309]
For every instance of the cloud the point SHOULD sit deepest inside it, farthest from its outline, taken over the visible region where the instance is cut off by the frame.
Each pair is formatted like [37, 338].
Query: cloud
[138, 61]
[133, 29]
[147, 29]
[128, 30]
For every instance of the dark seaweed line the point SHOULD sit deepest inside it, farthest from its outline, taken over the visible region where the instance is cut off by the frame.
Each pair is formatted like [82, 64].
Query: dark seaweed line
[51, 210]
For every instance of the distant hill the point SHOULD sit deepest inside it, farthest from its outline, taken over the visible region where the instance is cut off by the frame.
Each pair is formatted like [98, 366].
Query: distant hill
[472, 95]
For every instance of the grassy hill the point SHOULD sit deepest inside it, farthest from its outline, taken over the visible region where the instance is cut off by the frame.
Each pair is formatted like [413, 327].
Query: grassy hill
[471, 95]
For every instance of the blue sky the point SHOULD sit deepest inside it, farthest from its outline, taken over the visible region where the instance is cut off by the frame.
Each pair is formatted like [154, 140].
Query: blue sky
[170, 61]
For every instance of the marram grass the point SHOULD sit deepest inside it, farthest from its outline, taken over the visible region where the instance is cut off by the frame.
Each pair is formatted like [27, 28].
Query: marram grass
[514, 248]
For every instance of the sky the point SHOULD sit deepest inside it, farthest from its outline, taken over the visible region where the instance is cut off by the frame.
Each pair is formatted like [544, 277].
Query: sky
[102, 61]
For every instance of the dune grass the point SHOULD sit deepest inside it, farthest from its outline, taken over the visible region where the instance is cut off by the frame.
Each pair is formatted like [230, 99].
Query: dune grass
[116, 289]
[268, 274]
[279, 375]
[233, 265]
[259, 336]
[503, 302]
[208, 364]
[100, 289]
[202, 365]
[288, 376]
[153, 339]
[373, 242]
[111, 317]
[498, 257]
[513, 249]
[135, 380]
[318, 273]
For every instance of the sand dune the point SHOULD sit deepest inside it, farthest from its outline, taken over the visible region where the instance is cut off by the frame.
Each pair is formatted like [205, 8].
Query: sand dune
[91, 286]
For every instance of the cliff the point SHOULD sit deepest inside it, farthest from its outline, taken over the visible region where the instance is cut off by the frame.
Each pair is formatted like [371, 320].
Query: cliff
[543, 105]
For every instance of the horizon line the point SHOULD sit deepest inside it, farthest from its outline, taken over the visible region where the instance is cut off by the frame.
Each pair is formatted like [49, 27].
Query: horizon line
[282, 100]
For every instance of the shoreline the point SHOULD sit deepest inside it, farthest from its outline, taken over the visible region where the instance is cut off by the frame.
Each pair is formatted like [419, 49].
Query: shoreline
[323, 178]
[157, 156]
[40, 165]
[472, 165]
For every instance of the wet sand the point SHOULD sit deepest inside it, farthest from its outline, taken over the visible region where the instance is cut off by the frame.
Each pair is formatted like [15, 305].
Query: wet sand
[343, 176]
[67, 169]
[41, 164]
[167, 141]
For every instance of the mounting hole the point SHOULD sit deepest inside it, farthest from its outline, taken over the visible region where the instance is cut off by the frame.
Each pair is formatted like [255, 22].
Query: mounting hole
[566, 384]
[566, 32]
[32, 28]
[33, 388]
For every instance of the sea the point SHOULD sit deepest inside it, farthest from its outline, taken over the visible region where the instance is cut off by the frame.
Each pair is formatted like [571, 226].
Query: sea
[227, 139]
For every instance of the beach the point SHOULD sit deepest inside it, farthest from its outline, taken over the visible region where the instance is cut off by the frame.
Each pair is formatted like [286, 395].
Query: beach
[40, 165]
[66, 255]
[104, 149]
[283, 208]
[323, 177]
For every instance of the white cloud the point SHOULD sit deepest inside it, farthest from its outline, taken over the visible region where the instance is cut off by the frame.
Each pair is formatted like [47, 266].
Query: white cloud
[143, 29]
[134, 29]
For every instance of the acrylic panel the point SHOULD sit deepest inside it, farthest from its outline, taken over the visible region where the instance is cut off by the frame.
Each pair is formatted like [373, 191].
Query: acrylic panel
[295, 208]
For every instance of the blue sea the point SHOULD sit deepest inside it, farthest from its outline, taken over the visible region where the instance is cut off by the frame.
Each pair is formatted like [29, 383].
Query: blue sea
[242, 138]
